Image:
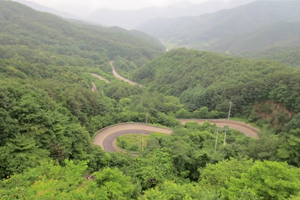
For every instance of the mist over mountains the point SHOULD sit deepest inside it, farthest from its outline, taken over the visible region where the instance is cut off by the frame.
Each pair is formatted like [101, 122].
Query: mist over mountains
[252, 27]
[130, 19]
[262, 29]
[42, 8]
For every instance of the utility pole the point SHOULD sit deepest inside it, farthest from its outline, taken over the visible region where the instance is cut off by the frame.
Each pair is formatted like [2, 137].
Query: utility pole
[217, 137]
[230, 104]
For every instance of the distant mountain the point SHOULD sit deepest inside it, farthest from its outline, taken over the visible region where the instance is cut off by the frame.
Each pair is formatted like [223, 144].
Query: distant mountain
[81, 11]
[38, 32]
[132, 18]
[278, 34]
[41, 8]
[255, 26]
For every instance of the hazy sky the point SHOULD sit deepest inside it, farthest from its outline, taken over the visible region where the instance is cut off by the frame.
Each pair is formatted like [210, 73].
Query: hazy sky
[114, 4]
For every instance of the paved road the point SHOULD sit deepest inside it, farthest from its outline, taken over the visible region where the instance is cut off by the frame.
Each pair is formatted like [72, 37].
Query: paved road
[106, 136]
[100, 77]
[116, 74]
[247, 129]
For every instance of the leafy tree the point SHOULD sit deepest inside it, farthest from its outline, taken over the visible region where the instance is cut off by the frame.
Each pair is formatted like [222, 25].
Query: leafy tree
[19, 154]
[293, 124]
[170, 190]
[8, 127]
[215, 176]
[50, 181]
[265, 180]
[114, 184]
[183, 114]
[153, 169]
[289, 148]
[265, 148]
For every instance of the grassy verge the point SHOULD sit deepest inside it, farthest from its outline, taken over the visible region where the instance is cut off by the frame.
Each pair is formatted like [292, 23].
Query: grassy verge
[132, 142]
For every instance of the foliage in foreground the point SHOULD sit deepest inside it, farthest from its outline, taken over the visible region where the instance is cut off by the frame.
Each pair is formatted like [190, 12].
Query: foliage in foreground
[50, 181]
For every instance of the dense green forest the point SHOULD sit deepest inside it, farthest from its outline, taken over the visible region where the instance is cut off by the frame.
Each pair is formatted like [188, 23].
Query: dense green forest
[49, 114]
[202, 79]
[284, 54]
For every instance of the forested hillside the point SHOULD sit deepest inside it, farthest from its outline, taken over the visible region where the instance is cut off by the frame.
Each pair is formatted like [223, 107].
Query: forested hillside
[206, 79]
[49, 115]
[29, 29]
[276, 35]
[256, 26]
[284, 54]
[48, 110]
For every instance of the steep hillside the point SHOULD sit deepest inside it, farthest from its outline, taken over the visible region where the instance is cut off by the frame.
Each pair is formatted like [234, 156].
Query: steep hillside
[275, 35]
[51, 106]
[288, 55]
[206, 79]
[48, 110]
[255, 26]
[38, 32]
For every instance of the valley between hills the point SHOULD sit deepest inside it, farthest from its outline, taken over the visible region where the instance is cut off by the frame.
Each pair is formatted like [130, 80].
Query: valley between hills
[220, 109]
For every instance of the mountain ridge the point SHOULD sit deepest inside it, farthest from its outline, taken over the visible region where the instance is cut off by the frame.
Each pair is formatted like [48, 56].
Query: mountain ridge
[210, 30]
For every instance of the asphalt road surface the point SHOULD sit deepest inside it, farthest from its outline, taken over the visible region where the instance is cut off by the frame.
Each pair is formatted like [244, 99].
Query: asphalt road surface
[106, 137]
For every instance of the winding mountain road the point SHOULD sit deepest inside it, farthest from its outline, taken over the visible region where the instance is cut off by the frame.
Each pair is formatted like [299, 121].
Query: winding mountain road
[117, 75]
[94, 88]
[106, 137]
[247, 129]
[100, 77]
